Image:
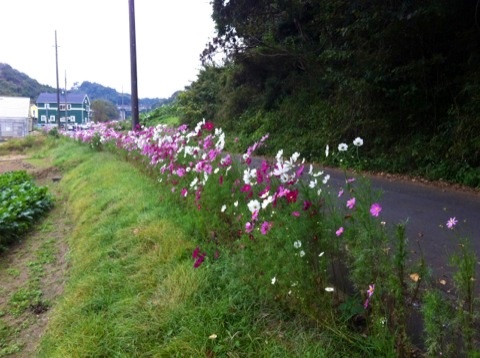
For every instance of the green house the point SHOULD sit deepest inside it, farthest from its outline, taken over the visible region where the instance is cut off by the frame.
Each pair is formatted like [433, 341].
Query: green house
[74, 108]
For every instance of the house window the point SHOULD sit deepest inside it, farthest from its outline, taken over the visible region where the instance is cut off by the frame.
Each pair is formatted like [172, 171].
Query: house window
[43, 118]
[64, 106]
[71, 119]
[52, 118]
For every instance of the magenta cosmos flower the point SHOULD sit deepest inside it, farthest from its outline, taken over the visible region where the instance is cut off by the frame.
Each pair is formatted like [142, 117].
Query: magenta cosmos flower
[375, 209]
[339, 231]
[265, 228]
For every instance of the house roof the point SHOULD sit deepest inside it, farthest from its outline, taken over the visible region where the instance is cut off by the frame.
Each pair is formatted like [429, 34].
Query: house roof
[76, 98]
[14, 107]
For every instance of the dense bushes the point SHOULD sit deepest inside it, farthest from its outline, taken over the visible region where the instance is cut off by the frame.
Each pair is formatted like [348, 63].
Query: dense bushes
[21, 203]
[403, 75]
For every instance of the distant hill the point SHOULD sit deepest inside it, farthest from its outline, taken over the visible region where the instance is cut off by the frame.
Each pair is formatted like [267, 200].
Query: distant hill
[97, 91]
[18, 84]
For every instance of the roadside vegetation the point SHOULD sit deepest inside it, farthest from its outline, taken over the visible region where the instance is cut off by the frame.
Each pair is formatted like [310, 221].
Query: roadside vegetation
[181, 250]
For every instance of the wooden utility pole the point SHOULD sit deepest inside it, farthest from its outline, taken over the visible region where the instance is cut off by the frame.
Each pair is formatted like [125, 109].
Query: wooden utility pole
[133, 65]
[58, 87]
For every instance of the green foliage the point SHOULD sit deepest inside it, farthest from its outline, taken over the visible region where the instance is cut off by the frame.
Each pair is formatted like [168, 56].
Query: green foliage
[438, 318]
[403, 75]
[165, 114]
[104, 111]
[22, 145]
[21, 203]
[15, 83]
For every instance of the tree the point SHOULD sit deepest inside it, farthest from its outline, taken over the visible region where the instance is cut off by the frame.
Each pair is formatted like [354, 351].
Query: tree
[104, 111]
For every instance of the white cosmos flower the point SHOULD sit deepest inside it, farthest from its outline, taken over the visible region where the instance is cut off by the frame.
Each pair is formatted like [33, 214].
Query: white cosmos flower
[327, 149]
[194, 182]
[279, 155]
[312, 184]
[342, 147]
[248, 175]
[326, 179]
[274, 279]
[302, 253]
[267, 201]
[329, 289]
[297, 244]
[253, 205]
[235, 203]
[358, 142]
[294, 157]
[224, 207]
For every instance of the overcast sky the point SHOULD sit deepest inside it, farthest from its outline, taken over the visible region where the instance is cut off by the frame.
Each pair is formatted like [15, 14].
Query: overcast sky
[93, 41]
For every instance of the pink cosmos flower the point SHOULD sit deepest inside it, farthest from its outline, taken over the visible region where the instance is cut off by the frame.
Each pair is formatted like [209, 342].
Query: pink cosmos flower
[226, 161]
[292, 196]
[351, 203]
[181, 172]
[199, 260]
[299, 171]
[296, 214]
[340, 231]
[184, 192]
[306, 204]
[208, 126]
[248, 228]
[282, 191]
[246, 188]
[370, 291]
[340, 193]
[375, 209]
[452, 222]
[265, 228]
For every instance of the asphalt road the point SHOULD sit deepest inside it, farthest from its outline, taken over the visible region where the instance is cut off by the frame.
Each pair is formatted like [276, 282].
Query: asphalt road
[426, 208]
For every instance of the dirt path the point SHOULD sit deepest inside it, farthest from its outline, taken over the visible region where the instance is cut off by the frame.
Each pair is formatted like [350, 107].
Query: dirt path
[32, 271]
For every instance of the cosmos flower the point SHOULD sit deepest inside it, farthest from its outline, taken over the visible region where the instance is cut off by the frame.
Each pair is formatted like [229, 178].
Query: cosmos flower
[452, 222]
[358, 142]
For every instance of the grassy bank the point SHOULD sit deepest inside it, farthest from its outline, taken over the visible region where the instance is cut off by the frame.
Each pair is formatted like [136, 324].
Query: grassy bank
[132, 289]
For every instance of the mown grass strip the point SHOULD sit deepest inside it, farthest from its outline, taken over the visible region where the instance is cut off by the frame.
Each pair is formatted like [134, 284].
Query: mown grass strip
[132, 288]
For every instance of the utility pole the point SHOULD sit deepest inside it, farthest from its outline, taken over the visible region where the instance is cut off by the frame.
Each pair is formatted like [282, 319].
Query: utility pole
[58, 87]
[66, 102]
[133, 64]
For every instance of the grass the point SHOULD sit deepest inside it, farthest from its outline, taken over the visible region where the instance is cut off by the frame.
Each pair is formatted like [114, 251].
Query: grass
[132, 290]
[22, 145]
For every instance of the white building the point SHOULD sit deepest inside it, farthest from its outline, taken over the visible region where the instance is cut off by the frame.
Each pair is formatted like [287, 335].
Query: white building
[15, 119]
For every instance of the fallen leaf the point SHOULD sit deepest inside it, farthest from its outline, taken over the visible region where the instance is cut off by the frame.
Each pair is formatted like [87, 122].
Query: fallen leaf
[414, 277]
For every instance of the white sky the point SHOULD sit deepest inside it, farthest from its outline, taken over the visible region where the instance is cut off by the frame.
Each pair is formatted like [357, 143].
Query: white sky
[94, 42]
